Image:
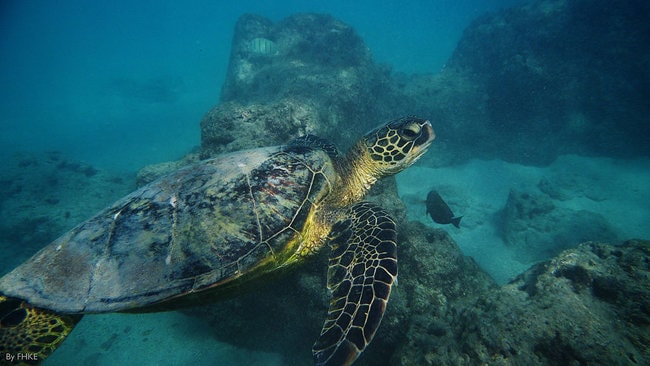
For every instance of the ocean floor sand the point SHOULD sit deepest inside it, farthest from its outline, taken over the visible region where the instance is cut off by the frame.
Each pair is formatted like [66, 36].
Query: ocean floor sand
[169, 338]
[478, 190]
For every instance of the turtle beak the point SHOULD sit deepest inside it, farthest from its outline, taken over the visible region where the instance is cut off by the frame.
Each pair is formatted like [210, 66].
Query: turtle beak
[425, 139]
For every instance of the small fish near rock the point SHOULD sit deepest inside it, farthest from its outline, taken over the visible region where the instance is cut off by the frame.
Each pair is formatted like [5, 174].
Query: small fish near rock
[262, 47]
[439, 211]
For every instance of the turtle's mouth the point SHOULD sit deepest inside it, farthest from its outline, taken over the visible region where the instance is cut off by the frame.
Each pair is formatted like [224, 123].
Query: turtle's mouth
[423, 141]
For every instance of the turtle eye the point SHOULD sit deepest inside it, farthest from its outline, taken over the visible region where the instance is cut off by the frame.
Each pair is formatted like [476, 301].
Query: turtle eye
[411, 132]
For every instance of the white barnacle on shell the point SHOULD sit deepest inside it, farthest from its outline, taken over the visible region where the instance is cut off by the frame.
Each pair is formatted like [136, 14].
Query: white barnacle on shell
[173, 200]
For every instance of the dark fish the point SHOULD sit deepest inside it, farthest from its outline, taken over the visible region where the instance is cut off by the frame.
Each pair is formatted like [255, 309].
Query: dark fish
[439, 211]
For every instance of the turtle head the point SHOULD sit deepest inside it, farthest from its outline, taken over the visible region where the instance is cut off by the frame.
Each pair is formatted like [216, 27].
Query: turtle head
[398, 144]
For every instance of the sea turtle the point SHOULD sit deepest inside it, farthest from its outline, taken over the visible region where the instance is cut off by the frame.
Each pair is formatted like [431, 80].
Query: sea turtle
[207, 229]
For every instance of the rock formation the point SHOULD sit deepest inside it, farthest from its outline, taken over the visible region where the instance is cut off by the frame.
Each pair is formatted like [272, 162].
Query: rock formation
[309, 73]
[587, 306]
[558, 76]
[537, 229]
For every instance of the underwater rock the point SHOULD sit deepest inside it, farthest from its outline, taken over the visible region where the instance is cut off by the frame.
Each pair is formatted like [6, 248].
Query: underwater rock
[436, 282]
[232, 126]
[589, 305]
[310, 62]
[551, 84]
[455, 103]
[282, 316]
[384, 194]
[309, 49]
[525, 84]
[536, 229]
[533, 81]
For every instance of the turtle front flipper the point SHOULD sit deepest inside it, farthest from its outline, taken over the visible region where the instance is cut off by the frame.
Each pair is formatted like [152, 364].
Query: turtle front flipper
[362, 268]
[31, 332]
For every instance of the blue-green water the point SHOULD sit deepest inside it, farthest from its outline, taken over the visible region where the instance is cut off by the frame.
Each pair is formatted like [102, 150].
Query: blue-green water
[121, 84]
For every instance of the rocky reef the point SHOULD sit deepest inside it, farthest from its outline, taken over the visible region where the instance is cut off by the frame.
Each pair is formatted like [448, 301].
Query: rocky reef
[587, 306]
[309, 73]
[524, 84]
[555, 76]
[537, 229]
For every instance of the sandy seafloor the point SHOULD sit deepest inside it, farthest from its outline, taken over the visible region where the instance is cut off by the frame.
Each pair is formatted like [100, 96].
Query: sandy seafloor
[616, 189]
[478, 190]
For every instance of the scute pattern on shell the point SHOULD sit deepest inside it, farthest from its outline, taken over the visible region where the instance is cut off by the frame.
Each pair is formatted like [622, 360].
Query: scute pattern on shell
[208, 223]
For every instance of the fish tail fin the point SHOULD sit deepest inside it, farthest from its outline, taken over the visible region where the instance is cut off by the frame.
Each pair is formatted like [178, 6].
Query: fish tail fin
[456, 221]
[28, 330]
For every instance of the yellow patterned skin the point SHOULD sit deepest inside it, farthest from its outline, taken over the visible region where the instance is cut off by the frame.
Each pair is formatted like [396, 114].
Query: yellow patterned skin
[362, 269]
[30, 332]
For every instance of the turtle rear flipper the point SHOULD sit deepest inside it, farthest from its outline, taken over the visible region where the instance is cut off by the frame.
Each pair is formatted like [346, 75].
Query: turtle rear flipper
[28, 330]
[362, 268]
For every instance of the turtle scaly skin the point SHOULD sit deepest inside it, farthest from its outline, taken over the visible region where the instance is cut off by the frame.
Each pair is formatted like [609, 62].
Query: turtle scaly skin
[362, 268]
[29, 330]
[201, 232]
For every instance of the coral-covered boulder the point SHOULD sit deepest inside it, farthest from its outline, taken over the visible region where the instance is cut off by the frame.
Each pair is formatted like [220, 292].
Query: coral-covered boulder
[589, 306]
[233, 126]
[537, 229]
[544, 78]
[309, 73]
[558, 71]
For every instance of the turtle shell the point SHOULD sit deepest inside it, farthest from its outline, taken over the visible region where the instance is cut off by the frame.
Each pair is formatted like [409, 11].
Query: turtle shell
[202, 226]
